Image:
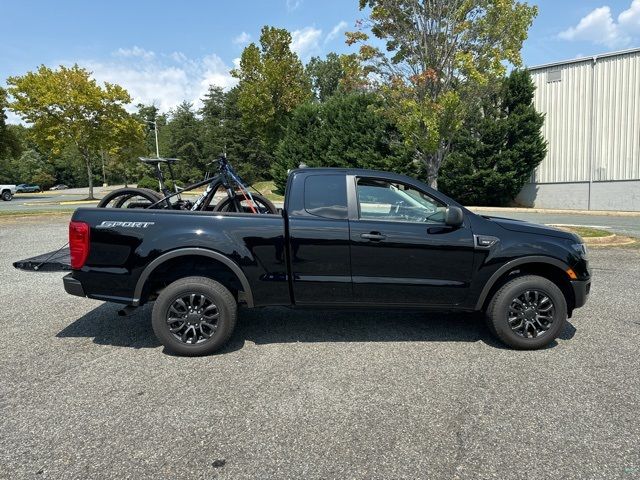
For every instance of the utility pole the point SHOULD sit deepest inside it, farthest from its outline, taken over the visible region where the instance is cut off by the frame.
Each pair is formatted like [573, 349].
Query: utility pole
[155, 131]
[104, 173]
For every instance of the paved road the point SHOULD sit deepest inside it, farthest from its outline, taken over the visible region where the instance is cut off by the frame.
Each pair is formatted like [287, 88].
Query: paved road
[301, 394]
[51, 201]
[628, 225]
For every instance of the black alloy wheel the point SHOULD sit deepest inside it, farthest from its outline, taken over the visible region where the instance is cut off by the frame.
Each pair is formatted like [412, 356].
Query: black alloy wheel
[193, 318]
[527, 312]
[531, 314]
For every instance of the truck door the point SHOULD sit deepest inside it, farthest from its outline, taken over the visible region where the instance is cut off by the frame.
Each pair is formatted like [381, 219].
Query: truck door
[402, 252]
[319, 249]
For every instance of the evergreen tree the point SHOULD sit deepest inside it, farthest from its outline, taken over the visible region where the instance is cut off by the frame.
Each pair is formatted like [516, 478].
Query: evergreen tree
[345, 131]
[213, 113]
[244, 149]
[501, 144]
[184, 142]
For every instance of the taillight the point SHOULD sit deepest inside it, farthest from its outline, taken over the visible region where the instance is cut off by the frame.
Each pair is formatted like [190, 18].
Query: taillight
[78, 243]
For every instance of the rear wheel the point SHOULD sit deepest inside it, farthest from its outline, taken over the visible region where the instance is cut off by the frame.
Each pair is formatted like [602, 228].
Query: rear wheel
[6, 195]
[130, 198]
[527, 313]
[194, 316]
[260, 203]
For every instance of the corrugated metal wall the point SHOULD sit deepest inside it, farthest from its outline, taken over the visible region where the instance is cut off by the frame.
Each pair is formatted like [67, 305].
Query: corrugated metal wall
[567, 94]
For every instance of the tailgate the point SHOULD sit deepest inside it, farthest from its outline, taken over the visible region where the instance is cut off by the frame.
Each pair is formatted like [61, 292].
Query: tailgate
[56, 261]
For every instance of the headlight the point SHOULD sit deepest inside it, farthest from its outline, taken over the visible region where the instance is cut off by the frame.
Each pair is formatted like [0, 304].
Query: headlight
[581, 248]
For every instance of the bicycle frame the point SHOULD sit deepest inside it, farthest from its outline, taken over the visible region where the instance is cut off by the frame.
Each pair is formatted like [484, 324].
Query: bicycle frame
[222, 179]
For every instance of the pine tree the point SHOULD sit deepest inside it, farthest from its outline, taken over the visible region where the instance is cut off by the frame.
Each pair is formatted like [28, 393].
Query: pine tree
[500, 145]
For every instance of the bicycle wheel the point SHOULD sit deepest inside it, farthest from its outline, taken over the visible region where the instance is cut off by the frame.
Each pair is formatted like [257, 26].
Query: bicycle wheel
[263, 205]
[130, 198]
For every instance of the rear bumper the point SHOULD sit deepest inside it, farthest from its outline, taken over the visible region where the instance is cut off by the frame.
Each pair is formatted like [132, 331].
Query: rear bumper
[581, 290]
[73, 286]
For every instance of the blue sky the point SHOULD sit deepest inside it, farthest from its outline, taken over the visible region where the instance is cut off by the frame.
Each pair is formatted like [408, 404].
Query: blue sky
[166, 52]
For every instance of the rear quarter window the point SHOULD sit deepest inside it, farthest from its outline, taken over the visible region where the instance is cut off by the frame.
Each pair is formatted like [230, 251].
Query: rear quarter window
[326, 196]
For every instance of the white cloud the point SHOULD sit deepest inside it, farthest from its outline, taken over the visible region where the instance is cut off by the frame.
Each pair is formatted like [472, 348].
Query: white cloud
[335, 31]
[165, 80]
[629, 20]
[293, 5]
[134, 52]
[305, 42]
[178, 57]
[600, 27]
[242, 39]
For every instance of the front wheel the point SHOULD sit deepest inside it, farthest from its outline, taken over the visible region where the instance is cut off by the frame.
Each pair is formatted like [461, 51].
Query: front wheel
[194, 316]
[6, 195]
[130, 198]
[260, 203]
[527, 313]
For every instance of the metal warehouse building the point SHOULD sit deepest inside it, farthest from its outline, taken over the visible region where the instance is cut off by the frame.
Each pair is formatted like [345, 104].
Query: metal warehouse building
[592, 126]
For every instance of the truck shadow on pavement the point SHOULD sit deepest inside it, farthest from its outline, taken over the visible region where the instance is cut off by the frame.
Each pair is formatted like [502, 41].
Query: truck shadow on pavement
[282, 325]
[107, 328]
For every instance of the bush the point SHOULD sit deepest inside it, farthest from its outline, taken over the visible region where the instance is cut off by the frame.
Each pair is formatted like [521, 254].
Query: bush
[152, 183]
[44, 180]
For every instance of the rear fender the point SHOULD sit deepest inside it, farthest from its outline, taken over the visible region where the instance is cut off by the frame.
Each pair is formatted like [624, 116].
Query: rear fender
[146, 273]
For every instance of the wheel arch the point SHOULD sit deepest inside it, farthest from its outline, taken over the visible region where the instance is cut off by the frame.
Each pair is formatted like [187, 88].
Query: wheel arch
[209, 257]
[547, 267]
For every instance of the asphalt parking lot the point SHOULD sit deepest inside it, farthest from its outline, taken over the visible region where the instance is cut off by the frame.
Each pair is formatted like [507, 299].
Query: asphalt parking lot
[301, 394]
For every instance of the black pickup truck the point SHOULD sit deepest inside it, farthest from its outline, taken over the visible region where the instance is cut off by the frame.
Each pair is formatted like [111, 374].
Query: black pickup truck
[345, 238]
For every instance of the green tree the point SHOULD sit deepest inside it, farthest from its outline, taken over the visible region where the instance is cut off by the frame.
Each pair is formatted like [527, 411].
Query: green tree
[244, 149]
[272, 83]
[437, 52]
[345, 131]
[214, 116]
[32, 167]
[499, 147]
[325, 75]
[68, 107]
[184, 142]
[10, 145]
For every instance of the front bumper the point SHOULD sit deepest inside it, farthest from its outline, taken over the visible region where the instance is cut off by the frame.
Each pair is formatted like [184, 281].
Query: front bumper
[73, 286]
[581, 290]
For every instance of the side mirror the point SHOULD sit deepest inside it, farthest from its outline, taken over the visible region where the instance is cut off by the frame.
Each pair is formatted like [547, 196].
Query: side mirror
[454, 216]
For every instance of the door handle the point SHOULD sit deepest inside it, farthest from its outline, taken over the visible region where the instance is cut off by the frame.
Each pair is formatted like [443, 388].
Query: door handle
[373, 236]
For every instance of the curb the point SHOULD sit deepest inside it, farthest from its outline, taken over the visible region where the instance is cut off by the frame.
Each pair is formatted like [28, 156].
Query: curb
[600, 213]
[76, 202]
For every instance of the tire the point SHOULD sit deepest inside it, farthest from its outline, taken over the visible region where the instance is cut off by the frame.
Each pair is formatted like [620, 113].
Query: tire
[193, 342]
[6, 196]
[515, 305]
[136, 198]
[264, 205]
